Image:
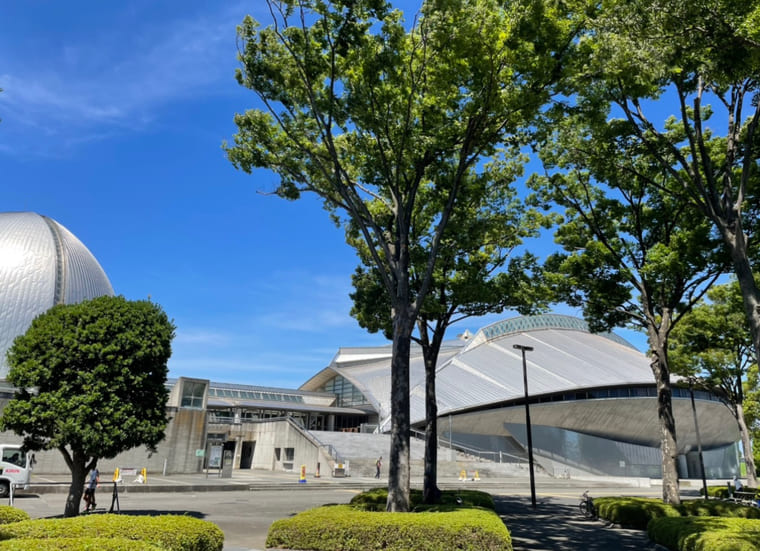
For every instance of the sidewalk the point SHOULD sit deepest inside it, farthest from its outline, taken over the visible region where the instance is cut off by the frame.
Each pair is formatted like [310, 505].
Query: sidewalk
[243, 480]
[555, 524]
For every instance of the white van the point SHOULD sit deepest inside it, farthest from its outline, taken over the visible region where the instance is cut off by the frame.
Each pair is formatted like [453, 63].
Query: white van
[15, 468]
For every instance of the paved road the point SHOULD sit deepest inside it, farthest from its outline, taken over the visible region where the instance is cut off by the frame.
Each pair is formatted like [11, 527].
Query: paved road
[246, 514]
[243, 516]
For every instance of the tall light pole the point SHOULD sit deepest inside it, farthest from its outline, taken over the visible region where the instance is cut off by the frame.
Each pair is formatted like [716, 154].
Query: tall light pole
[699, 440]
[525, 349]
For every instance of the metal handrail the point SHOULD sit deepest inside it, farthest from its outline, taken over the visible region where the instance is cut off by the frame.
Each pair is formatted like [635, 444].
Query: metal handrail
[480, 453]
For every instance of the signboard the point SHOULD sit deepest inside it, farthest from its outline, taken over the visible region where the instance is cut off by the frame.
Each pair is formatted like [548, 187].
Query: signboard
[215, 457]
[200, 453]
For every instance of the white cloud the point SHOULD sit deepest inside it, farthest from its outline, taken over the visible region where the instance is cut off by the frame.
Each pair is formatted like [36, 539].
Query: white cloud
[116, 79]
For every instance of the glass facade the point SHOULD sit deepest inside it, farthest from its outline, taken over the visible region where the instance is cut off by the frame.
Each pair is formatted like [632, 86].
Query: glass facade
[347, 394]
[192, 394]
[239, 394]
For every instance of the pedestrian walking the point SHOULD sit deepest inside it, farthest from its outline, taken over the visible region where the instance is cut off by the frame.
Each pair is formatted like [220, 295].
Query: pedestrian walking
[378, 464]
[89, 492]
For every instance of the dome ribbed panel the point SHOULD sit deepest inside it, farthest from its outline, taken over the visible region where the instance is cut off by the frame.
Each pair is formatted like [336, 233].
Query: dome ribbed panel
[32, 264]
[27, 275]
[84, 277]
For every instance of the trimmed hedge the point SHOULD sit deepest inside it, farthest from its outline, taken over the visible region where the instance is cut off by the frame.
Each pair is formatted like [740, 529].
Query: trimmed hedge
[633, 512]
[170, 532]
[717, 508]
[78, 544]
[345, 528]
[636, 512]
[721, 492]
[10, 514]
[377, 498]
[706, 533]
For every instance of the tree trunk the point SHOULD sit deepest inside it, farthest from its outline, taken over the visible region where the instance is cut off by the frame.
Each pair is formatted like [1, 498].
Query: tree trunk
[751, 298]
[430, 492]
[746, 280]
[668, 443]
[749, 460]
[399, 463]
[78, 478]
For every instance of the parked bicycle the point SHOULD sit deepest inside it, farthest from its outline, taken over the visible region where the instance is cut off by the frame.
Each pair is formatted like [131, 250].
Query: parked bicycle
[587, 506]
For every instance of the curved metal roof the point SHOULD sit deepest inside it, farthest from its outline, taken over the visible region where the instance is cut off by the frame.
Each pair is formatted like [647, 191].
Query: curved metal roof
[486, 369]
[41, 264]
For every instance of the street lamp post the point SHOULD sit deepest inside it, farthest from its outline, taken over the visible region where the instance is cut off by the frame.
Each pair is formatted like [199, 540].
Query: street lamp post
[525, 349]
[699, 440]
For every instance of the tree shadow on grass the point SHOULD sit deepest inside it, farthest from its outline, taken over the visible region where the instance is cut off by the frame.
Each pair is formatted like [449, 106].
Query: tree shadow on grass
[557, 526]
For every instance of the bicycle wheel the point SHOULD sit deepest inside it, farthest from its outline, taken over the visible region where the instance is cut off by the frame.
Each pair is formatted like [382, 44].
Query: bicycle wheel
[583, 506]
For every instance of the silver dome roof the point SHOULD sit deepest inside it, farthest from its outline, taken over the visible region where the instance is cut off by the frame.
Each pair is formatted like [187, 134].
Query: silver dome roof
[41, 264]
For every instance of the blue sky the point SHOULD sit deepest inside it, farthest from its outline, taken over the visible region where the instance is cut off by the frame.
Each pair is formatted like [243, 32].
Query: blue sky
[113, 116]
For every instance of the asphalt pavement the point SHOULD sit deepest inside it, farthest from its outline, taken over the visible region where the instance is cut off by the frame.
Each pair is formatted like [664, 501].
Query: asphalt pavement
[245, 504]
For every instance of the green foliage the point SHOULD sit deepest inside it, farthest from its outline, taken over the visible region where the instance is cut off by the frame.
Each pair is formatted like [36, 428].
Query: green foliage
[706, 534]
[10, 514]
[344, 528]
[377, 116]
[79, 544]
[636, 512]
[168, 532]
[376, 500]
[714, 342]
[633, 512]
[717, 508]
[91, 376]
[718, 492]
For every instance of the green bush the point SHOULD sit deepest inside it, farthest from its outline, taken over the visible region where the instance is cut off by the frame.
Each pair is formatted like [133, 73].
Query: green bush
[10, 514]
[171, 532]
[633, 512]
[706, 533]
[346, 528]
[377, 498]
[716, 508]
[721, 492]
[78, 544]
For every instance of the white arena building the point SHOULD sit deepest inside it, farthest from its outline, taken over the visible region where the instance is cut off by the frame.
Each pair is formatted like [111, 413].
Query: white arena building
[592, 397]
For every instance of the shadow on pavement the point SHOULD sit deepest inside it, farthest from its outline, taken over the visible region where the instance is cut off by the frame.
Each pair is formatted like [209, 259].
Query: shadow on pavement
[555, 526]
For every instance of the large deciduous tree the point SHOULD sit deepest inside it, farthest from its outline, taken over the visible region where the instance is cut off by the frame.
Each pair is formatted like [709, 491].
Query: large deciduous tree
[684, 76]
[714, 343]
[90, 381]
[475, 274]
[368, 114]
[635, 254]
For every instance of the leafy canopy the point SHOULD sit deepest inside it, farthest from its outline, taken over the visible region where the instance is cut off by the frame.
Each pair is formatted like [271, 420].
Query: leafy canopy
[91, 377]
